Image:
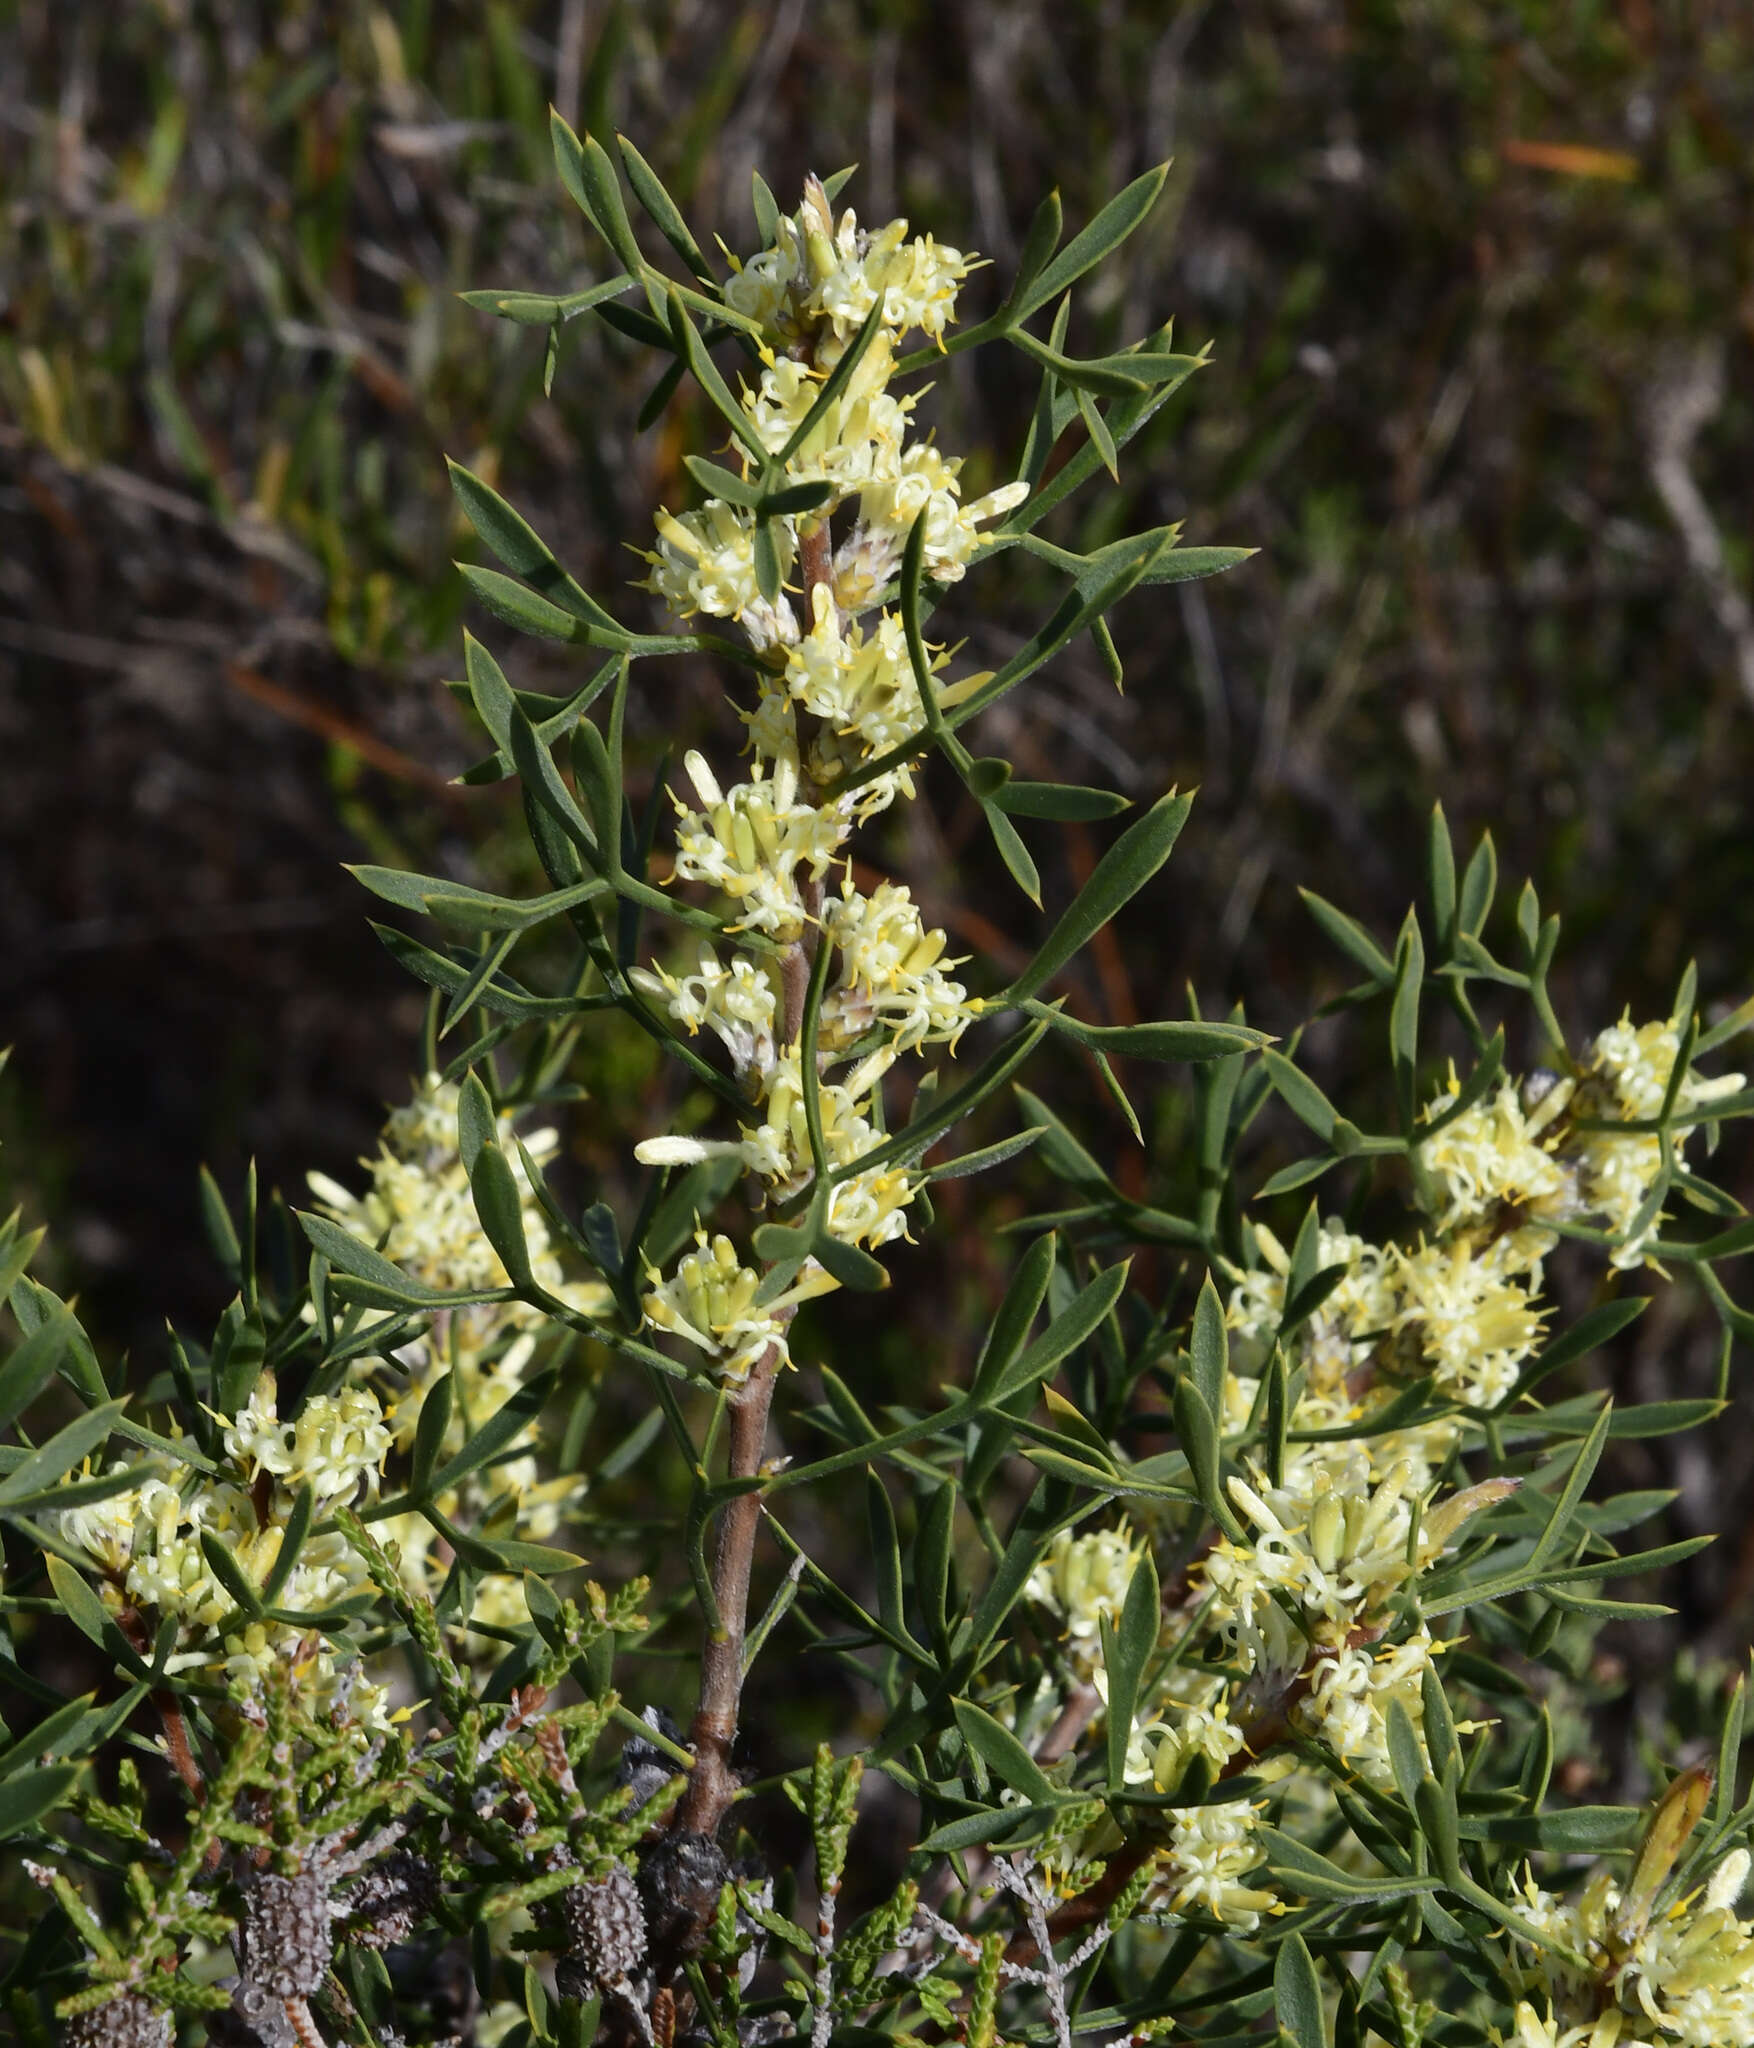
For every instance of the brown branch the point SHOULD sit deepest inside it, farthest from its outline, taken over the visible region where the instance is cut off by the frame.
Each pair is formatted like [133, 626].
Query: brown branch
[711, 1784]
[1075, 1716]
[1265, 1732]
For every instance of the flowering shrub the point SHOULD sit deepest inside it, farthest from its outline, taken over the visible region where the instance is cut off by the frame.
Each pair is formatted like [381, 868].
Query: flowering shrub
[1211, 1628]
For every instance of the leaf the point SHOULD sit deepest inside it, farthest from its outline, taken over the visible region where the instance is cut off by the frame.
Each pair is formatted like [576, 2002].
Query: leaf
[918, 1137]
[1295, 1176]
[1572, 1831]
[499, 1205]
[1105, 233]
[1121, 873]
[30, 1794]
[60, 1454]
[1080, 1318]
[1125, 1652]
[885, 1554]
[1406, 1755]
[522, 550]
[706, 375]
[1582, 1468]
[1166, 1041]
[1012, 851]
[1350, 936]
[987, 1155]
[1209, 1348]
[1039, 244]
[666, 216]
[1003, 1754]
[849, 1264]
[89, 1615]
[1479, 886]
[452, 903]
[1301, 1870]
[539, 309]
[1005, 1824]
[429, 1436]
[1440, 872]
[33, 1364]
[1301, 1095]
[1297, 1994]
[1097, 428]
[1404, 1019]
[1196, 1430]
[476, 1121]
[48, 1734]
[505, 1423]
[231, 1575]
[1066, 802]
[348, 1254]
[1010, 1327]
[833, 384]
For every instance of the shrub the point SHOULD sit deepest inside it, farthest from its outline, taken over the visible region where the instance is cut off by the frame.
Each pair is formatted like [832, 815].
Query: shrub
[1211, 1614]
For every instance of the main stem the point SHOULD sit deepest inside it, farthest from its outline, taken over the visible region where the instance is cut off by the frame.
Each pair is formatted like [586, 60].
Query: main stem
[711, 1783]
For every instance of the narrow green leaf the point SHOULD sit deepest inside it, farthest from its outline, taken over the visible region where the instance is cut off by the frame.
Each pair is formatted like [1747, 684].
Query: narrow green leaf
[833, 385]
[507, 1421]
[1075, 1323]
[347, 1254]
[706, 375]
[1126, 1650]
[1003, 1754]
[1065, 802]
[1042, 239]
[1119, 876]
[1406, 1753]
[1350, 936]
[429, 1437]
[500, 1207]
[1297, 1995]
[1105, 233]
[26, 1797]
[1479, 886]
[521, 549]
[540, 309]
[1301, 1095]
[1018, 1310]
[33, 1364]
[666, 216]
[1013, 852]
[1583, 1466]
[1440, 875]
[238, 1585]
[986, 1156]
[1404, 1019]
[49, 1461]
[1209, 1348]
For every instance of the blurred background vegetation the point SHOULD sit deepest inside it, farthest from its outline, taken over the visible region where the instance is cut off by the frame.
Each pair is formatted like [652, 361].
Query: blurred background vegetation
[1479, 285]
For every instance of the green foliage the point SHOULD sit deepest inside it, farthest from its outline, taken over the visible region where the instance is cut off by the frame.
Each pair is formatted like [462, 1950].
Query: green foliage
[1143, 1628]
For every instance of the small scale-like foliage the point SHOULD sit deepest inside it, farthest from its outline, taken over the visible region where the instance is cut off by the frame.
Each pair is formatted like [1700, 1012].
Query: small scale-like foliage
[1213, 1613]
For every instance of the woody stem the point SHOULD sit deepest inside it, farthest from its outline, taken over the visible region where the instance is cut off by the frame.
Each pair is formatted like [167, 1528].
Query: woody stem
[711, 1784]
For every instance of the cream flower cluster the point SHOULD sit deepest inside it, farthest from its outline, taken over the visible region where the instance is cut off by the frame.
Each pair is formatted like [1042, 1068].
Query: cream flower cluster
[1083, 1581]
[1685, 1977]
[419, 1213]
[1464, 1304]
[827, 274]
[710, 1301]
[810, 293]
[145, 1544]
[836, 689]
[1626, 1079]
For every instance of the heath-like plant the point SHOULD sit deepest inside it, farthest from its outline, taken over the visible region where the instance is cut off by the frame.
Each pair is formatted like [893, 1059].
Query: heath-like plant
[1214, 1628]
